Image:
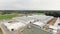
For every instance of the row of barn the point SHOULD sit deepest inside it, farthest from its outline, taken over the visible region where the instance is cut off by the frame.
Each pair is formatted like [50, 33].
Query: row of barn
[39, 21]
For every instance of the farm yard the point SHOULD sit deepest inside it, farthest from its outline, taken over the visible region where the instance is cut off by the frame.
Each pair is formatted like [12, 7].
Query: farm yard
[34, 29]
[32, 23]
[7, 17]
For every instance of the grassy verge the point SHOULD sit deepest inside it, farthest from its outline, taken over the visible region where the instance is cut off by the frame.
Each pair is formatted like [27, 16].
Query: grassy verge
[7, 16]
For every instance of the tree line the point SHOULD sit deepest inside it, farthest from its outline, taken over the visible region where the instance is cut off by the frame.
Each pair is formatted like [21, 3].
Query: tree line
[19, 11]
[51, 13]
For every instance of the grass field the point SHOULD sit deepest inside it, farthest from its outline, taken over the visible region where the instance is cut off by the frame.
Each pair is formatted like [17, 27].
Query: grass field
[7, 16]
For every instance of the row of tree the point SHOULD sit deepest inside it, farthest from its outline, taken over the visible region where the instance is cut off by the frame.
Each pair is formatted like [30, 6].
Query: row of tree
[19, 11]
[53, 13]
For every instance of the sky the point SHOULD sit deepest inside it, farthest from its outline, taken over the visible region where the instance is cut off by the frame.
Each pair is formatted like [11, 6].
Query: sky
[29, 4]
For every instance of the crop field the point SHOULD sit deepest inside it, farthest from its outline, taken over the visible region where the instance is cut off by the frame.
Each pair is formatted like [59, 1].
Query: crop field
[7, 16]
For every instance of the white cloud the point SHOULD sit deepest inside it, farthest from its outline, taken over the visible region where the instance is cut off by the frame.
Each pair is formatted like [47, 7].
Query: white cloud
[29, 4]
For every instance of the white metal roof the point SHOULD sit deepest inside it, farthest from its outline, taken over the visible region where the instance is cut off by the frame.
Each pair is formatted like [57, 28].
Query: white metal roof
[14, 26]
[56, 23]
[39, 23]
[42, 18]
[26, 20]
[50, 26]
[47, 20]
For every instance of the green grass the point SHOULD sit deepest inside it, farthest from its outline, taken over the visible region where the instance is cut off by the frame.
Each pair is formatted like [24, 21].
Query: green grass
[7, 16]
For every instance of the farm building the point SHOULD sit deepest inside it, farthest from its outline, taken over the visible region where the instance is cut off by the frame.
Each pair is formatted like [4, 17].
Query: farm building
[31, 24]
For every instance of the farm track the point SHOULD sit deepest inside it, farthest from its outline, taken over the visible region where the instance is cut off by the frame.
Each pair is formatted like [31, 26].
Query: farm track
[1, 31]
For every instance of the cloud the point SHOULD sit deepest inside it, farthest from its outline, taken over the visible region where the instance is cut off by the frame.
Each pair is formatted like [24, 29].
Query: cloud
[29, 4]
